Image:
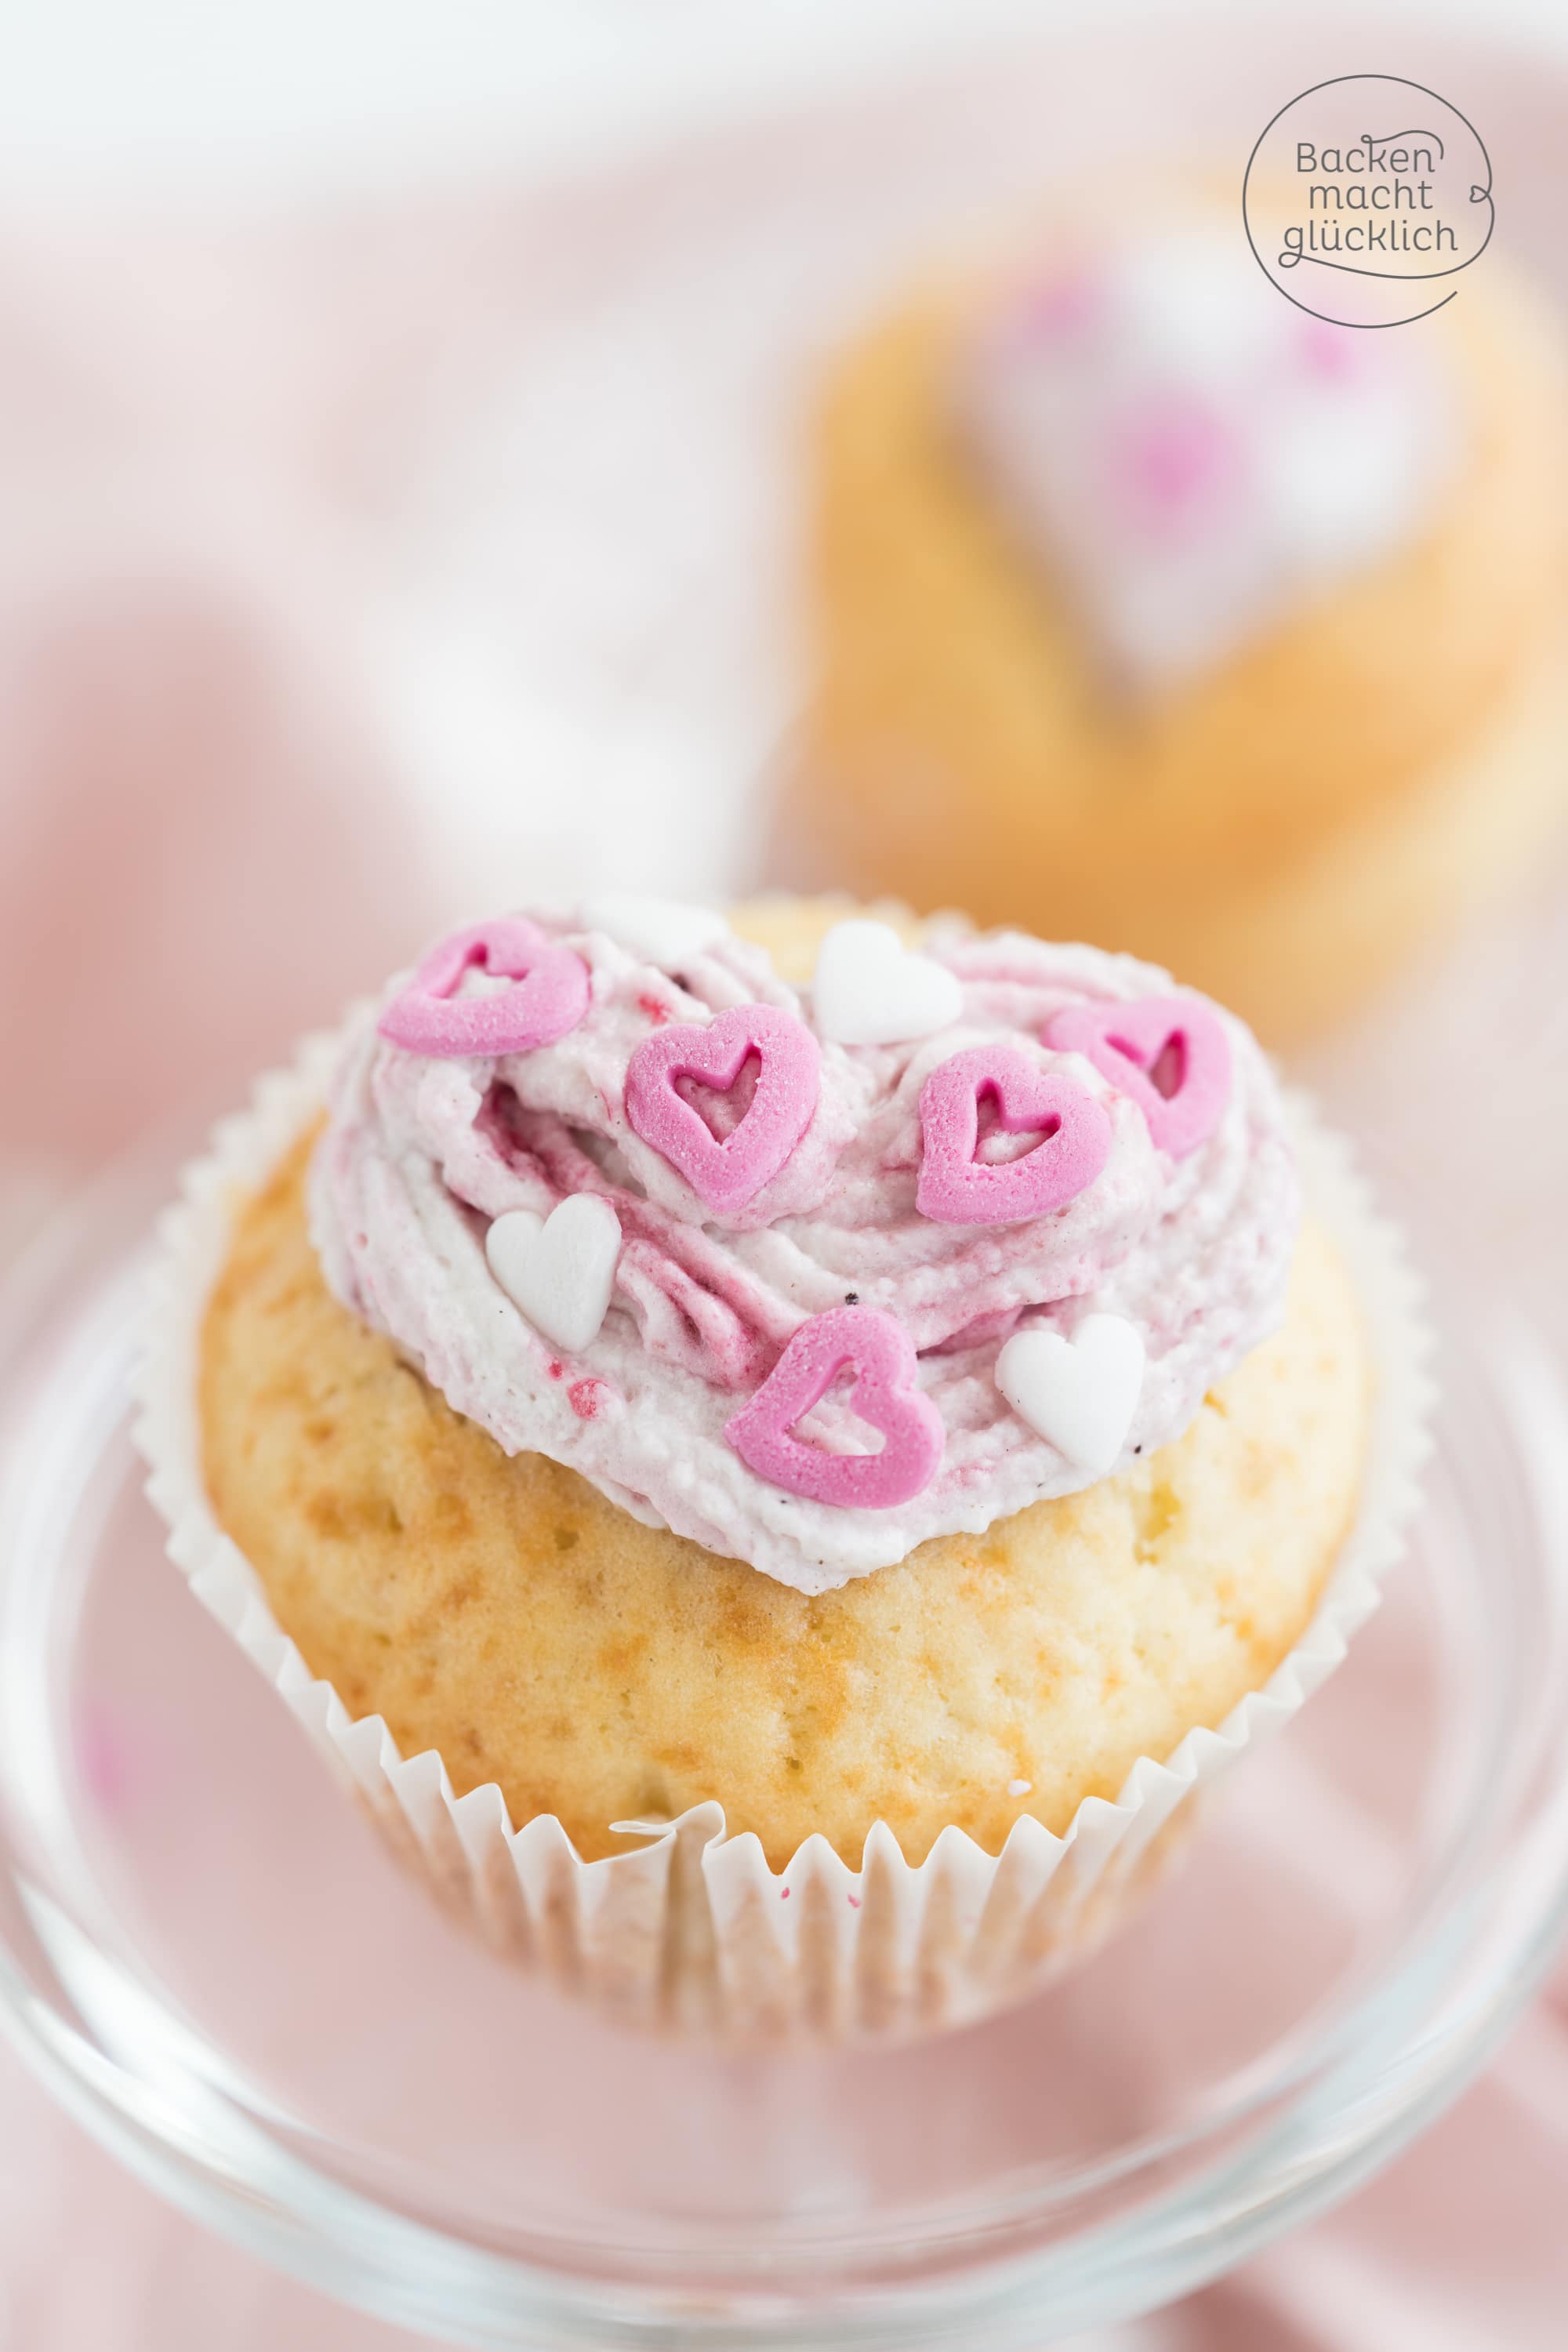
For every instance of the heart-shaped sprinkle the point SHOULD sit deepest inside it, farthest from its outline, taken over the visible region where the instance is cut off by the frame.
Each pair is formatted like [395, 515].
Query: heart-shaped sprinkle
[1079, 1394]
[550, 995]
[882, 1356]
[869, 988]
[1169, 1055]
[1175, 462]
[726, 1175]
[955, 1188]
[1060, 309]
[559, 1270]
[662, 930]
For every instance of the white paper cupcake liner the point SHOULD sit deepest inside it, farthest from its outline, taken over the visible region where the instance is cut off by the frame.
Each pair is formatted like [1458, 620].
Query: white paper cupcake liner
[689, 1928]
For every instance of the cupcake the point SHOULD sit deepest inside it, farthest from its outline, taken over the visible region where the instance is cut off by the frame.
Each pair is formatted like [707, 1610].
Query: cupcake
[1151, 609]
[774, 1492]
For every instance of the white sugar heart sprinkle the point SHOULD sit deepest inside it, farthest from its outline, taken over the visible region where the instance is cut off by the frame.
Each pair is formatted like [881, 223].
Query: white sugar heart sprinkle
[559, 1271]
[1079, 1394]
[869, 988]
[664, 930]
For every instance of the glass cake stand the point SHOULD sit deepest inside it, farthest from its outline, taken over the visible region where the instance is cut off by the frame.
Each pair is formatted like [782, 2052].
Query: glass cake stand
[211, 1960]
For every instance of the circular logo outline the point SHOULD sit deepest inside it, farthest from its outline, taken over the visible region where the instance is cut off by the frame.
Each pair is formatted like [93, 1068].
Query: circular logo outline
[1412, 276]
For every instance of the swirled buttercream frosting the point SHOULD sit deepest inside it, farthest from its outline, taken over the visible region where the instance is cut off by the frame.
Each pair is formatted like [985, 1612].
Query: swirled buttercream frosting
[807, 1302]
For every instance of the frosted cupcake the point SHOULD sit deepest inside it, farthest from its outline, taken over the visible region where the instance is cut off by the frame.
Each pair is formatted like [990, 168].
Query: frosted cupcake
[1152, 610]
[773, 1443]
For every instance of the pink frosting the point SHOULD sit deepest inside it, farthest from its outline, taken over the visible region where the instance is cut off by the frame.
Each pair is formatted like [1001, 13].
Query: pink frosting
[709, 1400]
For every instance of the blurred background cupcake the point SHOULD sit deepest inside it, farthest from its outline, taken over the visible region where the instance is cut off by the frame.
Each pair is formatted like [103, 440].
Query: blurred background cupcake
[1148, 607]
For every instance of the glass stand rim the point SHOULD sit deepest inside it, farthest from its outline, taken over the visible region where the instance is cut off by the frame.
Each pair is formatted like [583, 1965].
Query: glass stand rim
[135, 2071]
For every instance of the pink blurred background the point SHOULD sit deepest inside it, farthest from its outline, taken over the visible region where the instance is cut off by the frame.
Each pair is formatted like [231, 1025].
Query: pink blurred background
[345, 587]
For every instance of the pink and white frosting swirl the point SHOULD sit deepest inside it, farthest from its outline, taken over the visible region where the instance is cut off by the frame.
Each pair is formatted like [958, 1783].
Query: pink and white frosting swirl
[666, 1409]
[1192, 456]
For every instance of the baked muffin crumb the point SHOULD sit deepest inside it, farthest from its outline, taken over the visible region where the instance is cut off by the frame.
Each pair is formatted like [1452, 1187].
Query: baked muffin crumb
[501, 1609]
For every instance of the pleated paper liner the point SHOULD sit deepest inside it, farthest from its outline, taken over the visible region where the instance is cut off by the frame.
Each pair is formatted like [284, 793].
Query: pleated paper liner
[690, 1929]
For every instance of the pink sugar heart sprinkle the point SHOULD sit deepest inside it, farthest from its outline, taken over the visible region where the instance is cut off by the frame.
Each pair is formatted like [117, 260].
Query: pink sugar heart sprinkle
[1329, 352]
[1133, 1045]
[726, 1174]
[1060, 308]
[882, 1356]
[549, 1000]
[1175, 459]
[955, 1188]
